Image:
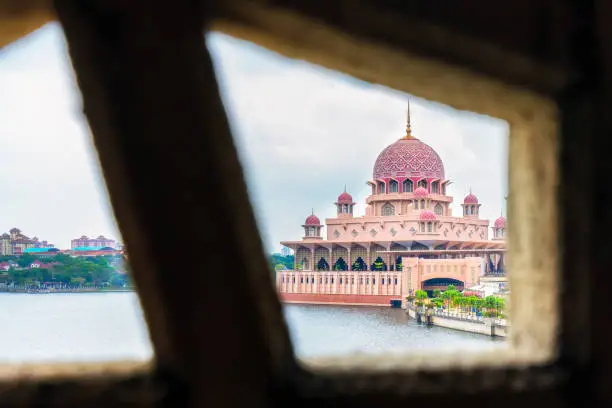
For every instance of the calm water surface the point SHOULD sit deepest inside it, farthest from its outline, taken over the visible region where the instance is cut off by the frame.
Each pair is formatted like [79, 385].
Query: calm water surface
[335, 330]
[110, 326]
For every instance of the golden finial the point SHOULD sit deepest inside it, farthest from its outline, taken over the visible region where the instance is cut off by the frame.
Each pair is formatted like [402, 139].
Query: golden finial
[408, 127]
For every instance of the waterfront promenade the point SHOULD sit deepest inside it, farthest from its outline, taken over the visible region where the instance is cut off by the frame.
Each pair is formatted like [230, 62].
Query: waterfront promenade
[455, 319]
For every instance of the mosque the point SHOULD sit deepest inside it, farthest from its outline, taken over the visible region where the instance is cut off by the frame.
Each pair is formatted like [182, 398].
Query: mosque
[407, 240]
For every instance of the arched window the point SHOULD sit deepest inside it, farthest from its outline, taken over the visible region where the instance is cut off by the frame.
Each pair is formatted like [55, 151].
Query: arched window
[388, 209]
[438, 209]
[473, 210]
[435, 187]
[422, 183]
[393, 186]
[467, 210]
[422, 204]
[345, 208]
[416, 204]
[381, 188]
[407, 186]
[422, 226]
[429, 227]
[312, 231]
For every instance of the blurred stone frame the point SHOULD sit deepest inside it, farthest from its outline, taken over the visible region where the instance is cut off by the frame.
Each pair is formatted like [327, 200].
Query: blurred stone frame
[120, 61]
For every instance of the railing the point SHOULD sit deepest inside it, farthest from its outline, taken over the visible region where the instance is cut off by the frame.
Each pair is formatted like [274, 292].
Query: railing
[466, 317]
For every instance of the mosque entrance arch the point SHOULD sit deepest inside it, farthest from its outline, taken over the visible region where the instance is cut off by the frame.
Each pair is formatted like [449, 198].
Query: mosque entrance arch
[441, 284]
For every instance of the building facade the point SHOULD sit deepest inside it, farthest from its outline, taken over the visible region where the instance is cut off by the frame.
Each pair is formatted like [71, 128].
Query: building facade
[408, 239]
[99, 242]
[15, 243]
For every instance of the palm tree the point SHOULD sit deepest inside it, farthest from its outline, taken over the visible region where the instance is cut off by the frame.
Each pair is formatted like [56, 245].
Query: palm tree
[420, 296]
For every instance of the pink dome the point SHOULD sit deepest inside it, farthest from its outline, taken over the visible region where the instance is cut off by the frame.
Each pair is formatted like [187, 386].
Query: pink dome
[408, 157]
[312, 220]
[427, 216]
[470, 199]
[420, 192]
[345, 198]
[500, 222]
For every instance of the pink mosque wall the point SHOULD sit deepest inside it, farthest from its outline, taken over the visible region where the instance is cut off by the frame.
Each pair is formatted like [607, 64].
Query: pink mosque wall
[370, 287]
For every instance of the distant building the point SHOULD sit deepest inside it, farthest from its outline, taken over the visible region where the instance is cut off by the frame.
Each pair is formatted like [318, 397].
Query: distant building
[16, 243]
[42, 252]
[100, 242]
[286, 251]
[93, 251]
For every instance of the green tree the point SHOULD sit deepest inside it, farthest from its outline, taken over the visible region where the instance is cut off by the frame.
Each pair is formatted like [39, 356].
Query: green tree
[420, 295]
[359, 264]
[437, 293]
[322, 265]
[438, 302]
[26, 260]
[379, 265]
[340, 265]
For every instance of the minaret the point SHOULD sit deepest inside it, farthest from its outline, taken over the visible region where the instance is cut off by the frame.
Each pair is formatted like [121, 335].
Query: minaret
[408, 124]
[344, 205]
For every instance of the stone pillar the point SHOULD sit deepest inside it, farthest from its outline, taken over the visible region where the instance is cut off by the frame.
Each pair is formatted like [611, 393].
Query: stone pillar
[349, 262]
[312, 257]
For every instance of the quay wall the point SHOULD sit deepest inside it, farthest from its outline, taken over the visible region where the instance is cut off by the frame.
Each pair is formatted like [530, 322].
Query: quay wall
[485, 327]
[338, 299]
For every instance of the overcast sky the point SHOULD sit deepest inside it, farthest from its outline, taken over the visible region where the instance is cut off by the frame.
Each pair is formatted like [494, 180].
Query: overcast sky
[303, 132]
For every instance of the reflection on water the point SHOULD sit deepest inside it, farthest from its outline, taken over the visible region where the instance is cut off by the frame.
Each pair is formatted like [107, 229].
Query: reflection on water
[335, 330]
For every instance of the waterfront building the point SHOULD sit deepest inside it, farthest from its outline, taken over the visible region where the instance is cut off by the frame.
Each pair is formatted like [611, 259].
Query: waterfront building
[407, 240]
[93, 251]
[99, 242]
[16, 243]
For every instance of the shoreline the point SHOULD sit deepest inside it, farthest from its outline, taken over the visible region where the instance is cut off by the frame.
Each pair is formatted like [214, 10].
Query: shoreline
[51, 292]
[485, 327]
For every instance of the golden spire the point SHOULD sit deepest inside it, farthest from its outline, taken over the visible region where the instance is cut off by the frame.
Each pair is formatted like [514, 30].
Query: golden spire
[408, 128]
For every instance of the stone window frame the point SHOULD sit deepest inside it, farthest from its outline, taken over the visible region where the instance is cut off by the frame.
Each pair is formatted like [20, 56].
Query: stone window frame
[181, 359]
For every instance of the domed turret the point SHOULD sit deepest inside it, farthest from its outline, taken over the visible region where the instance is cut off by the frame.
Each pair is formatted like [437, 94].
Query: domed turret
[470, 199]
[500, 222]
[312, 226]
[499, 228]
[420, 192]
[427, 221]
[471, 206]
[427, 216]
[312, 220]
[345, 204]
[345, 198]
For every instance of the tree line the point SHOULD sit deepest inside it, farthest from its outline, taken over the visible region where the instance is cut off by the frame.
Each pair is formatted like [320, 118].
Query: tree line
[100, 270]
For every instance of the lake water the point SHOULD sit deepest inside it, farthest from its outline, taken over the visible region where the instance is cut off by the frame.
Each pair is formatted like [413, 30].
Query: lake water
[110, 326]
